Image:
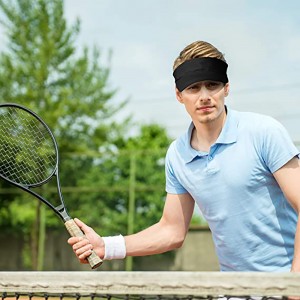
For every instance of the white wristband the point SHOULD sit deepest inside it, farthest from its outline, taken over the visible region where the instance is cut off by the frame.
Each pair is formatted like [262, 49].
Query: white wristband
[115, 247]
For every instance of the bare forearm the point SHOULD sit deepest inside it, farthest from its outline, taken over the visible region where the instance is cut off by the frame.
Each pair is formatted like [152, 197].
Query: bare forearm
[296, 260]
[156, 239]
[167, 234]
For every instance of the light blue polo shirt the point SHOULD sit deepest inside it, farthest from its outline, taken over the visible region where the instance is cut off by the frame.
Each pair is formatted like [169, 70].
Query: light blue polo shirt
[252, 224]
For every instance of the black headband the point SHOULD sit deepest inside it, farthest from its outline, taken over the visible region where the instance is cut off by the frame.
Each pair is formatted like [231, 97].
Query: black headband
[199, 69]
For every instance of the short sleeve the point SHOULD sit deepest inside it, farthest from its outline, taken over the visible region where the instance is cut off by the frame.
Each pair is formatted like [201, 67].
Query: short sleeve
[278, 147]
[173, 185]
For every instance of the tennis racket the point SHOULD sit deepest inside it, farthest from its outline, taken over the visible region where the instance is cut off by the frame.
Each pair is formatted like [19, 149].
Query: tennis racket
[29, 159]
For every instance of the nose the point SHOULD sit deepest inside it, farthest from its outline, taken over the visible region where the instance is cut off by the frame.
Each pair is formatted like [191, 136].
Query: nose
[204, 95]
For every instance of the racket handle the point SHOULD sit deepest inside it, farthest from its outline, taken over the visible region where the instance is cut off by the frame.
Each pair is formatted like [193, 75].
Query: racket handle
[94, 260]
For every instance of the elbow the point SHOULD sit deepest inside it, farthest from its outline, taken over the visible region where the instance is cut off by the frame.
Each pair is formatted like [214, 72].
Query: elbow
[173, 236]
[178, 245]
[177, 241]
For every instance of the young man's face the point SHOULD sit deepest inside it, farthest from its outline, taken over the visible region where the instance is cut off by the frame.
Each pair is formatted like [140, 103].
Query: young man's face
[204, 100]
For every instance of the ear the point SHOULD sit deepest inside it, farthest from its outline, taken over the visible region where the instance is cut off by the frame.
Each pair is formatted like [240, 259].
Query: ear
[226, 89]
[178, 95]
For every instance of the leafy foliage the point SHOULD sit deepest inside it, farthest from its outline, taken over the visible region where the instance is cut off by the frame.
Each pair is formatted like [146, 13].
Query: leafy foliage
[106, 209]
[101, 167]
[41, 70]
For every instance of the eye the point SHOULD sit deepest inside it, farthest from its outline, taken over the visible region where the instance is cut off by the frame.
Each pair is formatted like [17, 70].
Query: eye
[211, 85]
[193, 87]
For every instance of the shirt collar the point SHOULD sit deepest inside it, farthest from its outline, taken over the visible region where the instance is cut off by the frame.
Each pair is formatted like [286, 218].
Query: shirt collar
[228, 135]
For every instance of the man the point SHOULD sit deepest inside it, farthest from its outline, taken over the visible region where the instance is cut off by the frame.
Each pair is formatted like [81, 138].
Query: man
[241, 169]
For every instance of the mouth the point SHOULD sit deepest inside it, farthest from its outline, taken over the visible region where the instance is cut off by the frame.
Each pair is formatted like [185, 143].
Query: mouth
[205, 108]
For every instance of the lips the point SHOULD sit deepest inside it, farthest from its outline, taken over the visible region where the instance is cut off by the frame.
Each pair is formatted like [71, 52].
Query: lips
[205, 108]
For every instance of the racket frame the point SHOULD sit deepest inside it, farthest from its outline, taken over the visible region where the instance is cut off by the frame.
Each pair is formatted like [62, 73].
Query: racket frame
[60, 210]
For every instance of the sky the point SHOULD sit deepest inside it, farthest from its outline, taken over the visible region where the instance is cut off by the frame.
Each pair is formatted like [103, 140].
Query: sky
[260, 40]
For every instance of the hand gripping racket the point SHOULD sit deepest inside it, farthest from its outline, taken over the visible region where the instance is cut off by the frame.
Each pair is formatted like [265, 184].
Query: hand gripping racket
[29, 159]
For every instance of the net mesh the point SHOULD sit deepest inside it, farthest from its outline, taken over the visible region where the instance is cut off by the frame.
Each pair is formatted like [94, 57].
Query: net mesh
[148, 285]
[28, 152]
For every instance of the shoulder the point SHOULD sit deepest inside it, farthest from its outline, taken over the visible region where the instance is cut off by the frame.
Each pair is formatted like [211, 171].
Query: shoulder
[256, 122]
[182, 143]
[175, 149]
[245, 117]
[180, 150]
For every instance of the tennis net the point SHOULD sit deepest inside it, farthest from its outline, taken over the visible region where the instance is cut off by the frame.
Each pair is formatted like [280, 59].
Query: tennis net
[148, 285]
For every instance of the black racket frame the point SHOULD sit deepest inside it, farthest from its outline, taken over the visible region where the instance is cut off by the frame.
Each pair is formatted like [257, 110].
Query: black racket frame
[60, 210]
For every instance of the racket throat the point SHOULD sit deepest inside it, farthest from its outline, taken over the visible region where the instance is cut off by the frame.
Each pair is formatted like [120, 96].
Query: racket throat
[63, 212]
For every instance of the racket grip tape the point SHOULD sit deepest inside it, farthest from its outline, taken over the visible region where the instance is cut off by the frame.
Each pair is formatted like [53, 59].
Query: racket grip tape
[94, 260]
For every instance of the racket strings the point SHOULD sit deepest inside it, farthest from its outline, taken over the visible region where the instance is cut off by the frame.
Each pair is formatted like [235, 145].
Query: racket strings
[28, 154]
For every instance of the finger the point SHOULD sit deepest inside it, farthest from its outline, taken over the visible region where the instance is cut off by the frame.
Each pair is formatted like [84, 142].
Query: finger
[84, 249]
[73, 240]
[83, 261]
[85, 255]
[82, 225]
[82, 242]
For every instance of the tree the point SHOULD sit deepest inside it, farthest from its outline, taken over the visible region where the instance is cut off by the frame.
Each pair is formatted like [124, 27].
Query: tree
[112, 174]
[115, 182]
[128, 185]
[41, 70]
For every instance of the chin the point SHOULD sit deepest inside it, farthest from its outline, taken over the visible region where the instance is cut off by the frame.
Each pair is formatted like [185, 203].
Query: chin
[208, 118]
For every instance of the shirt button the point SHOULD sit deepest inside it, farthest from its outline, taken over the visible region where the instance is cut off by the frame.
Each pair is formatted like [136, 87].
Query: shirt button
[210, 158]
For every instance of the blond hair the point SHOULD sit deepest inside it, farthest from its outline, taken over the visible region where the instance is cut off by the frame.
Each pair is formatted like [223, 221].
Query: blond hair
[195, 50]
